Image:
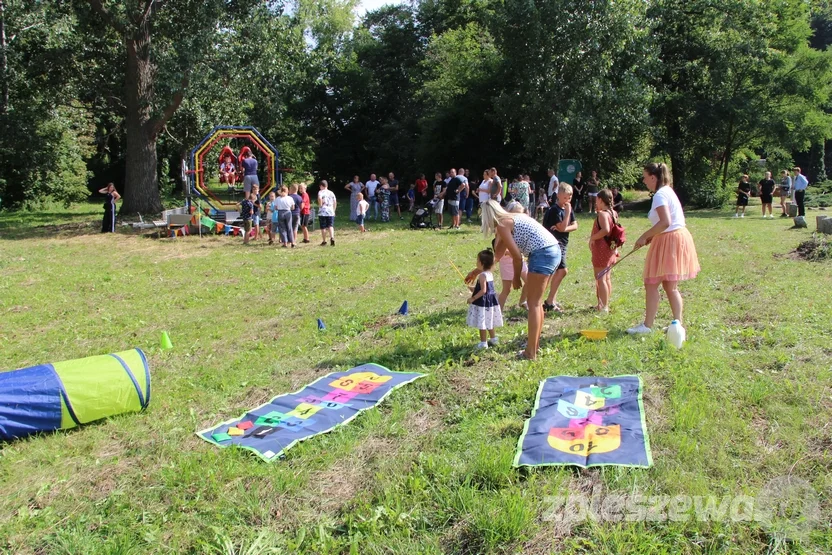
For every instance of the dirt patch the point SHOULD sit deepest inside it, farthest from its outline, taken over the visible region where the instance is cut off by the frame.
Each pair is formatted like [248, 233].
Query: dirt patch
[816, 249]
[351, 473]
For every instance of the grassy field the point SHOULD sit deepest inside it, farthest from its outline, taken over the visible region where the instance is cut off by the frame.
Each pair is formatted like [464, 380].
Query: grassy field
[747, 400]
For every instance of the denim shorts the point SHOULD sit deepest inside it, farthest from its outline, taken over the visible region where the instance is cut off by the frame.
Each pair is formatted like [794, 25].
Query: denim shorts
[544, 261]
[326, 221]
[359, 219]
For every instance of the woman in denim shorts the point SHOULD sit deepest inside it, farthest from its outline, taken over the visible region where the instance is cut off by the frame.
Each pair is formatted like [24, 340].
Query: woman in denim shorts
[522, 235]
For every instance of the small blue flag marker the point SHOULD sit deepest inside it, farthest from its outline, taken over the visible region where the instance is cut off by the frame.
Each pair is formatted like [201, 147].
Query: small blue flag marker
[404, 309]
[321, 325]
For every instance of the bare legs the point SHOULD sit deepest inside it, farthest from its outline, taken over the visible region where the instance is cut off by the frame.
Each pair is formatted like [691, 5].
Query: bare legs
[556, 281]
[603, 290]
[673, 296]
[504, 293]
[535, 288]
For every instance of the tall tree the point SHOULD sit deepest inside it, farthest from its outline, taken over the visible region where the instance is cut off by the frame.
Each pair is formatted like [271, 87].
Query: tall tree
[734, 76]
[163, 41]
[573, 78]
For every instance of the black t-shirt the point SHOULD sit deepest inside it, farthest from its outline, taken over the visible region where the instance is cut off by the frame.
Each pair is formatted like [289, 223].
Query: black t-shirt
[438, 185]
[452, 189]
[618, 201]
[745, 187]
[767, 187]
[553, 217]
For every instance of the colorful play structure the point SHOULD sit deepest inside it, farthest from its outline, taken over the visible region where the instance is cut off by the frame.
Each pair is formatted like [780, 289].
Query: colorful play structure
[196, 173]
[64, 395]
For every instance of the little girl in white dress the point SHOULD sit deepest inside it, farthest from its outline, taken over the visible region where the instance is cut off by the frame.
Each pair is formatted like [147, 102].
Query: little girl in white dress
[484, 311]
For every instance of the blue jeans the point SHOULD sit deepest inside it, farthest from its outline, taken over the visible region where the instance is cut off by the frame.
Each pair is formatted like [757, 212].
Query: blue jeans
[544, 261]
[469, 207]
[374, 207]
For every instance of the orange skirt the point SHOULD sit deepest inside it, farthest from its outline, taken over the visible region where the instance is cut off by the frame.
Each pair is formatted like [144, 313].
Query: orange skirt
[671, 257]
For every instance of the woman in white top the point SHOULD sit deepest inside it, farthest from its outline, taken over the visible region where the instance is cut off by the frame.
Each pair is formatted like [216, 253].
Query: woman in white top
[484, 190]
[283, 205]
[524, 236]
[671, 257]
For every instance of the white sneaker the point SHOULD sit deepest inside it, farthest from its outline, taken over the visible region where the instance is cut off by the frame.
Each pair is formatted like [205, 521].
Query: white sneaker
[482, 345]
[736, 215]
[742, 215]
[639, 329]
[494, 341]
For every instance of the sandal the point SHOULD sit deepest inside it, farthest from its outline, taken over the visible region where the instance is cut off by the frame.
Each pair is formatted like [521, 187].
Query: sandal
[548, 307]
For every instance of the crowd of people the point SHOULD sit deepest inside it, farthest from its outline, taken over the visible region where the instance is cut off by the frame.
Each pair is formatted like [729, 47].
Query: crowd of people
[532, 255]
[530, 229]
[789, 189]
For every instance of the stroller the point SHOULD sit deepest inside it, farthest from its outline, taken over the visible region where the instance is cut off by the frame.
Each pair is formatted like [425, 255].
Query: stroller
[423, 217]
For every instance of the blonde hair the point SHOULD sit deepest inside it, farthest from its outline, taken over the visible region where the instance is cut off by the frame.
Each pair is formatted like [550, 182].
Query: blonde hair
[565, 188]
[492, 215]
[515, 207]
[293, 188]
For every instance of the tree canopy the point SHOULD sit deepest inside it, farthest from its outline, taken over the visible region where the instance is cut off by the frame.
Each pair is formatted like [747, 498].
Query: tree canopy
[101, 90]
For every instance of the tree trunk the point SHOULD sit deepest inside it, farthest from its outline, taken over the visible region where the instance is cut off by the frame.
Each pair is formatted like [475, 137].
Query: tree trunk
[141, 186]
[4, 60]
[677, 163]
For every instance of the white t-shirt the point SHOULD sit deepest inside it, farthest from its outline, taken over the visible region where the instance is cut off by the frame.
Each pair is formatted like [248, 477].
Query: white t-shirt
[666, 196]
[371, 188]
[362, 207]
[284, 203]
[554, 184]
[484, 191]
[326, 203]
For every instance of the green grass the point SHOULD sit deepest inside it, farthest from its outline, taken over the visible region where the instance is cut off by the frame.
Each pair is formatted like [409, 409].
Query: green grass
[429, 471]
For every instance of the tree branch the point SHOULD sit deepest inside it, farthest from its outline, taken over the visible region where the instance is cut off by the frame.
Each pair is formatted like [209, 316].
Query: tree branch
[107, 15]
[158, 123]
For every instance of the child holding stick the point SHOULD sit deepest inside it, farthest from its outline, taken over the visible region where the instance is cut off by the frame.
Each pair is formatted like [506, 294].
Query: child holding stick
[484, 311]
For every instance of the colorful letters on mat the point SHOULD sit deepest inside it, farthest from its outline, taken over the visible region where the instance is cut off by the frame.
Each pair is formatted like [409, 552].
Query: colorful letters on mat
[586, 422]
[270, 429]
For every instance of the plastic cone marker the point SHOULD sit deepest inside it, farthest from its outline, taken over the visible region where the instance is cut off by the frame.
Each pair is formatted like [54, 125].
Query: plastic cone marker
[404, 309]
[321, 325]
[166, 344]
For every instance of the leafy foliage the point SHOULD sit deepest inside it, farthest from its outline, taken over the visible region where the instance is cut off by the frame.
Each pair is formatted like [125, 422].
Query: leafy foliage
[709, 85]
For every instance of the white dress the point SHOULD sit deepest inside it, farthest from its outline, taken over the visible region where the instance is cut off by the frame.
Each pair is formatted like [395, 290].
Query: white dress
[485, 313]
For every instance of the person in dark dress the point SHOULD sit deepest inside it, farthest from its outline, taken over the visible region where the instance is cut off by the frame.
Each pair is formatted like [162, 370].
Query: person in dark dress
[109, 223]
[578, 193]
[765, 188]
[743, 192]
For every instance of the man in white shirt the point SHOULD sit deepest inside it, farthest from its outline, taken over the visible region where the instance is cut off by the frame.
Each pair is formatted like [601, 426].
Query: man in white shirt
[371, 185]
[800, 183]
[327, 203]
[553, 185]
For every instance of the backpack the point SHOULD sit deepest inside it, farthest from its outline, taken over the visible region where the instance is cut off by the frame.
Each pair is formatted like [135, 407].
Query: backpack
[617, 235]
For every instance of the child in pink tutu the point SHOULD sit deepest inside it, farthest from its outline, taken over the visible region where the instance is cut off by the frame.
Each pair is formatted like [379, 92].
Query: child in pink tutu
[671, 257]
